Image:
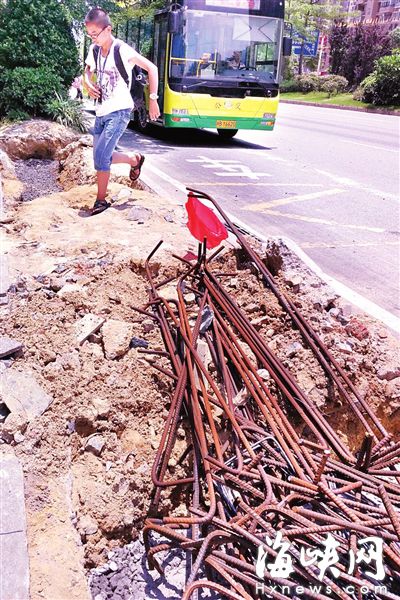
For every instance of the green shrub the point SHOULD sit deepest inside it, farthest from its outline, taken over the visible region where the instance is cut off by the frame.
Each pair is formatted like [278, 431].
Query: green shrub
[28, 89]
[387, 85]
[308, 83]
[395, 37]
[334, 84]
[67, 112]
[382, 87]
[34, 33]
[17, 115]
[365, 91]
[289, 86]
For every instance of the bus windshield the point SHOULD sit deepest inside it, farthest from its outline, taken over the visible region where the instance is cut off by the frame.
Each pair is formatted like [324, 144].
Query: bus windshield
[224, 45]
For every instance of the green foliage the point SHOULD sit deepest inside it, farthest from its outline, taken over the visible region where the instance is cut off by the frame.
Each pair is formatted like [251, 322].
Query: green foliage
[311, 82]
[67, 112]
[355, 49]
[27, 89]
[17, 115]
[38, 33]
[334, 85]
[395, 37]
[382, 87]
[308, 15]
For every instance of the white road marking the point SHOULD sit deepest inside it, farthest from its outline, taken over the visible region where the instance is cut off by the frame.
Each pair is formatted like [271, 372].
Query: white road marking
[374, 147]
[369, 307]
[257, 206]
[277, 213]
[229, 168]
[356, 184]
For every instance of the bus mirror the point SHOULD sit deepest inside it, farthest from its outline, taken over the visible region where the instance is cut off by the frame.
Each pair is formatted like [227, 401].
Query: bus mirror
[175, 21]
[287, 46]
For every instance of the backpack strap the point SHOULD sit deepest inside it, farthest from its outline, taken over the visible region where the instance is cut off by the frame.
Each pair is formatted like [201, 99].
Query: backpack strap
[119, 63]
[96, 50]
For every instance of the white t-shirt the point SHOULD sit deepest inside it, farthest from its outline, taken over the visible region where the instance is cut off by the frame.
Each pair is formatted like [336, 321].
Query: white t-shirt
[115, 92]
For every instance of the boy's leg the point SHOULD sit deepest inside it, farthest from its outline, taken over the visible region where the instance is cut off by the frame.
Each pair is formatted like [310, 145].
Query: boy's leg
[107, 137]
[130, 158]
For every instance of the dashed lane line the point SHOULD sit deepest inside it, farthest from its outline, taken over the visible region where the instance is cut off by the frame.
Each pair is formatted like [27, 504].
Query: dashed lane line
[277, 213]
[259, 184]
[310, 245]
[260, 206]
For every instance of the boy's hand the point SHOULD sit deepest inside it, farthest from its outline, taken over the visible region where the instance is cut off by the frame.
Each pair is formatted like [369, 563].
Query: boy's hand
[154, 110]
[93, 90]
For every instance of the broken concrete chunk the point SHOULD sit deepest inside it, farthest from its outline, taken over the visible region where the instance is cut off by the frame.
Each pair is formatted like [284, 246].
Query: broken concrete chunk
[87, 525]
[137, 342]
[9, 346]
[169, 292]
[344, 347]
[14, 560]
[5, 281]
[264, 374]
[294, 349]
[101, 406]
[71, 292]
[95, 444]
[86, 326]
[389, 371]
[140, 214]
[22, 394]
[117, 336]
[357, 329]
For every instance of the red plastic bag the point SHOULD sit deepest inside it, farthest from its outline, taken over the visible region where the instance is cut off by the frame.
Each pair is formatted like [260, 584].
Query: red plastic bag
[204, 223]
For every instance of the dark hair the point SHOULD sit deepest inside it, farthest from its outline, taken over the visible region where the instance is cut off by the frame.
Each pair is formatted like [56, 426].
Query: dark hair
[99, 16]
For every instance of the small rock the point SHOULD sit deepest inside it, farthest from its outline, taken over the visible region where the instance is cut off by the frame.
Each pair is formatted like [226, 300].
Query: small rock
[294, 349]
[357, 329]
[102, 406]
[148, 325]
[169, 217]
[233, 282]
[335, 312]
[8, 346]
[263, 373]
[137, 342]
[22, 394]
[252, 307]
[389, 372]
[140, 214]
[327, 326]
[71, 292]
[86, 326]
[392, 389]
[382, 334]
[95, 444]
[87, 525]
[294, 281]
[113, 566]
[169, 292]
[14, 424]
[344, 347]
[124, 194]
[18, 437]
[190, 298]
[117, 336]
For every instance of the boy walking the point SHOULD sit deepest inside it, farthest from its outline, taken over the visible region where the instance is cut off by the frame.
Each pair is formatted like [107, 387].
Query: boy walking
[113, 99]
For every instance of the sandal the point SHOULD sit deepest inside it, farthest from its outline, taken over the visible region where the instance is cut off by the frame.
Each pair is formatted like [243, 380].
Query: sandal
[99, 206]
[134, 173]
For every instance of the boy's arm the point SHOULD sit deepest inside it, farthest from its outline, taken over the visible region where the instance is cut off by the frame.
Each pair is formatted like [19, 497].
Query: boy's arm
[147, 65]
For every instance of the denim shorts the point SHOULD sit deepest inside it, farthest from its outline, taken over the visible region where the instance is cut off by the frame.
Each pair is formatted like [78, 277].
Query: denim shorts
[107, 132]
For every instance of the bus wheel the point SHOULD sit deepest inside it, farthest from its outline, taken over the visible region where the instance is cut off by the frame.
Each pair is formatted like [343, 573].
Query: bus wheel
[141, 120]
[227, 134]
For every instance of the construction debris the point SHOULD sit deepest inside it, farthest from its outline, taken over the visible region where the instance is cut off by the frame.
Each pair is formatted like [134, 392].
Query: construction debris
[262, 500]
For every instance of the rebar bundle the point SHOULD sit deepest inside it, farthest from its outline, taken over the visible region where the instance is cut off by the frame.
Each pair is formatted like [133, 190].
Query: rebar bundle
[269, 513]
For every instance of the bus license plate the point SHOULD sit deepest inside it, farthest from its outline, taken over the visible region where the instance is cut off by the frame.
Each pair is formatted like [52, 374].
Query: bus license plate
[226, 124]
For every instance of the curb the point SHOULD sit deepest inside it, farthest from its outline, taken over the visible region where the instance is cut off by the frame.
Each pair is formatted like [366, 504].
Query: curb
[372, 111]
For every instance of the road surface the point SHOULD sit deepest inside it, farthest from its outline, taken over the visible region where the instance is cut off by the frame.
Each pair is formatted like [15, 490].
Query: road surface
[327, 179]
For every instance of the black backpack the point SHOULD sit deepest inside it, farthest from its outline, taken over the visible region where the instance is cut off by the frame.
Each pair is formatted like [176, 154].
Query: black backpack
[139, 80]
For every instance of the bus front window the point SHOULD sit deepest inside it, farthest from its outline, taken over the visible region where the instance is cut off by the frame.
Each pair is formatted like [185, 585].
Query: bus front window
[219, 45]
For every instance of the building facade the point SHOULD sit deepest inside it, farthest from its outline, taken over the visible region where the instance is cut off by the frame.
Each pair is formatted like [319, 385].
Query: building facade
[382, 12]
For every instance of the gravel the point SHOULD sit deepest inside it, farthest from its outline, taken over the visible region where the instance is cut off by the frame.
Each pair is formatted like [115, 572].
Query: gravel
[39, 177]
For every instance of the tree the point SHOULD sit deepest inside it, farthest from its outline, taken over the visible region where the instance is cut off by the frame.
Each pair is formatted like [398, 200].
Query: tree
[354, 49]
[307, 16]
[38, 33]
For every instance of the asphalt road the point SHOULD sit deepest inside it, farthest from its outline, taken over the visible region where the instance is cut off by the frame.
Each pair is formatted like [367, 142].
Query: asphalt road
[327, 179]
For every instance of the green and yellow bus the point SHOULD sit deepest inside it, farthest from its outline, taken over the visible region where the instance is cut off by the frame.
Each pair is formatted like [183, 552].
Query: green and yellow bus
[219, 63]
